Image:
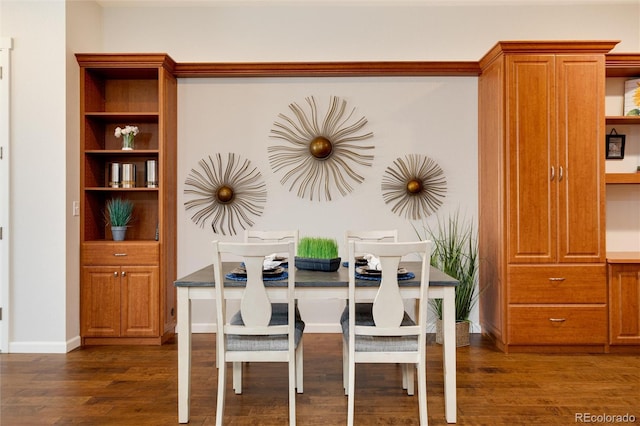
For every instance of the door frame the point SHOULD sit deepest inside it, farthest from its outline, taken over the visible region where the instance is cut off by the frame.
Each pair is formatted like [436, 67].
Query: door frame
[6, 45]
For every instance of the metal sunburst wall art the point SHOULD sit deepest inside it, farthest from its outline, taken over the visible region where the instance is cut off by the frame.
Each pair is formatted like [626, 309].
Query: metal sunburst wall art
[414, 185]
[316, 157]
[228, 190]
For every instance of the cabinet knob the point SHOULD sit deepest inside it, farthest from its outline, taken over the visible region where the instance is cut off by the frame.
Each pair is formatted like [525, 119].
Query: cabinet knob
[553, 172]
[119, 254]
[556, 279]
[124, 273]
[115, 274]
[561, 170]
[557, 319]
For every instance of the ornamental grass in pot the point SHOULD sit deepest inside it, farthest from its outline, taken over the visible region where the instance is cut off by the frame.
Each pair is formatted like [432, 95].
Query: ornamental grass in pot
[317, 254]
[119, 213]
[455, 252]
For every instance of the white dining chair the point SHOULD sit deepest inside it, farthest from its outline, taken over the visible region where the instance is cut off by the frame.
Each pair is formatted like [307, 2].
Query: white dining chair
[377, 235]
[258, 332]
[383, 332]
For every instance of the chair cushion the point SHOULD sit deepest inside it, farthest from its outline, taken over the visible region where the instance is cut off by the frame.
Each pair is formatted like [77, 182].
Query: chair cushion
[278, 342]
[364, 316]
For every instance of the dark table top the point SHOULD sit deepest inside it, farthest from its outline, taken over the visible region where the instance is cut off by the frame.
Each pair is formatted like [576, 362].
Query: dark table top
[304, 278]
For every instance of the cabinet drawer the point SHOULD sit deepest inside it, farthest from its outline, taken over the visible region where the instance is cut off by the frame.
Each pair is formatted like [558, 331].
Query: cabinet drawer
[557, 284]
[562, 325]
[119, 253]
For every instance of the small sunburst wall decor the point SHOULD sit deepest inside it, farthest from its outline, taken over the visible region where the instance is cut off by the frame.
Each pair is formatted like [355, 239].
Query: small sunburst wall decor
[317, 157]
[228, 190]
[415, 186]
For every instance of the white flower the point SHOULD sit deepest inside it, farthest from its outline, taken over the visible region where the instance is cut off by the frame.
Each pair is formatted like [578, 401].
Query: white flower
[126, 131]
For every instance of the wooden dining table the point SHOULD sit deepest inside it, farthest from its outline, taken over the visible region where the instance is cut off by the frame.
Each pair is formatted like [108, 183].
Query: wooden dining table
[312, 285]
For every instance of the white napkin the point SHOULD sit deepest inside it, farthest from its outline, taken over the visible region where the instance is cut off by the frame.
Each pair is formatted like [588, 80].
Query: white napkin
[269, 263]
[372, 262]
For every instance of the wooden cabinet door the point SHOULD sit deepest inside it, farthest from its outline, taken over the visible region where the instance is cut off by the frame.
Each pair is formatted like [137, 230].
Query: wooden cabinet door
[140, 301]
[580, 178]
[531, 158]
[624, 299]
[100, 301]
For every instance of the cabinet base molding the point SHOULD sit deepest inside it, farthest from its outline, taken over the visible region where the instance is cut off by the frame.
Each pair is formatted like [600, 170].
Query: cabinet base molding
[550, 349]
[139, 341]
[625, 349]
[557, 349]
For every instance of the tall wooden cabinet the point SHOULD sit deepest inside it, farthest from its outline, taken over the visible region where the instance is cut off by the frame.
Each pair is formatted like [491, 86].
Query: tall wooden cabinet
[541, 194]
[126, 290]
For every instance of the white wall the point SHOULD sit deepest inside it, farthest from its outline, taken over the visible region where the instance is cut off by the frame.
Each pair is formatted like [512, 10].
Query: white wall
[44, 137]
[83, 34]
[38, 175]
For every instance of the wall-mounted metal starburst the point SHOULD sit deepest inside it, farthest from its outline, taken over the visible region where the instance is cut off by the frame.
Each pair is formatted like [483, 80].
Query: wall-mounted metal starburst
[318, 157]
[415, 185]
[229, 190]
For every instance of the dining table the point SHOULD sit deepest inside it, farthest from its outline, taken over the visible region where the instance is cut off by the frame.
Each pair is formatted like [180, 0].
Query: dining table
[310, 285]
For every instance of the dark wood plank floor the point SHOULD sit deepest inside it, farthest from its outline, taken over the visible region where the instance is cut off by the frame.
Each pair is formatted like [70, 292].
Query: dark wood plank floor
[138, 386]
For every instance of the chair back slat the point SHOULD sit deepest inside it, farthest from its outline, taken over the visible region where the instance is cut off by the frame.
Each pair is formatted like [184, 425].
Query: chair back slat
[388, 308]
[255, 306]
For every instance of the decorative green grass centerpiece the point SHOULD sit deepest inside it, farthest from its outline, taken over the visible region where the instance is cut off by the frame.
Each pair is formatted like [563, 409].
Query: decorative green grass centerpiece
[317, 254]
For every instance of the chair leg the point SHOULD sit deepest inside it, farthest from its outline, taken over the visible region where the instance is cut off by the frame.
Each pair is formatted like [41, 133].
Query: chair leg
[410, 377]
[351, 392]
[404, 376]
[222, 378]
[299, 367]
[237, 377]
[292, 389]
[422, 391]
[345, 367]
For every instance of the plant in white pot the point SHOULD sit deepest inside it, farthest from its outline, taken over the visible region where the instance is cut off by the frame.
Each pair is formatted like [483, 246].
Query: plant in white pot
[455, 252]
[119, 213]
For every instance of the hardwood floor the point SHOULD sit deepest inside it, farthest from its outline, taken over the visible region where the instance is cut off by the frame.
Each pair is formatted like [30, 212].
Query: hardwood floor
[103, 385]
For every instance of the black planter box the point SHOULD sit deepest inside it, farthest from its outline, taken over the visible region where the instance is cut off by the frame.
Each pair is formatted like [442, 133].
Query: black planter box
[309, 264]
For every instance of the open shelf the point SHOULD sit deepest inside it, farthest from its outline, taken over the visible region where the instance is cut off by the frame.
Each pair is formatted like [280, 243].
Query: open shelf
[622, 178]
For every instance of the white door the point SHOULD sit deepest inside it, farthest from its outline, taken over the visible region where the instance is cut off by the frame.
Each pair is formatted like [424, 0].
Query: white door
[5, 47]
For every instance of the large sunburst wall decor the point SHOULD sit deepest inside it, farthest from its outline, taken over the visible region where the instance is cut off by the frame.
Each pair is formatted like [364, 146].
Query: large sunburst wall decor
[230, 190]
[415, 185]
[319, 157]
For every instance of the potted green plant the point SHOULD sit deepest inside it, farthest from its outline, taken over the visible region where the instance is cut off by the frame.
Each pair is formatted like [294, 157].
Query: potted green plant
[317, 254]
[119, 213]
[455, 252]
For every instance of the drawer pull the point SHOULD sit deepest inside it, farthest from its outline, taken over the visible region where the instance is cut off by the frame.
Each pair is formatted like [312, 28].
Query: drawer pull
[556, 279]
[119, 254]
[557, 319]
